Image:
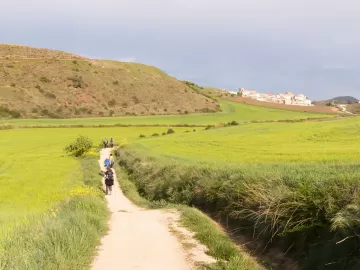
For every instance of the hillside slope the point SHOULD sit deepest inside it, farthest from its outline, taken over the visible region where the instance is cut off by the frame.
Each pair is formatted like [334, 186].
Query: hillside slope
[338, 100]
[41, 82]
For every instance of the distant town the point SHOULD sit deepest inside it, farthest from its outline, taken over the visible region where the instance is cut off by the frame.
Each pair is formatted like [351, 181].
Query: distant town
[288, 98]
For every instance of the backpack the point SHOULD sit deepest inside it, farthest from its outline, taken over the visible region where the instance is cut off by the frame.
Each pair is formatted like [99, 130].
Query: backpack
[107, 162]
[109, 175]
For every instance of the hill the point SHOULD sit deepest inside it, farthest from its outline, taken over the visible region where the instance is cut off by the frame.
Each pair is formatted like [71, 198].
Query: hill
[338, 100]
[345, 99]
[47, 83]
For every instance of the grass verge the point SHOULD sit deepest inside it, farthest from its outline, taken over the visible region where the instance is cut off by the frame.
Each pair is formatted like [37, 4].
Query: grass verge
[220, 246]
[64, 238]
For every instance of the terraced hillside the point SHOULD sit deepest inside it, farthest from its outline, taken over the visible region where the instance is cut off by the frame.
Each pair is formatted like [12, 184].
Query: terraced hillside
[40, 82]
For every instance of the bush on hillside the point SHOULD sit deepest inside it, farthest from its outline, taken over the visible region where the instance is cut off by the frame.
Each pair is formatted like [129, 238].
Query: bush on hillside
[170, 131]
[76, 81]
[135, 99]
[50, 95]
[112, 102]
[80, 146]
[142, 136]
[5, 112]
[233, 123]
[45, 79]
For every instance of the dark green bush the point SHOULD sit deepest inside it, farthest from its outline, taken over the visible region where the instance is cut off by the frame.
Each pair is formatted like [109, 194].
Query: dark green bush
[170, 131]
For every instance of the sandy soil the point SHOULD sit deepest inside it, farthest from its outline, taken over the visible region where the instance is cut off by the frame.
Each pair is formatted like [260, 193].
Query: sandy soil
[139, 239]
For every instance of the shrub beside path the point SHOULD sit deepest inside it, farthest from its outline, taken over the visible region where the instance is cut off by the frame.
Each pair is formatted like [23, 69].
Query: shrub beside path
[138, 238]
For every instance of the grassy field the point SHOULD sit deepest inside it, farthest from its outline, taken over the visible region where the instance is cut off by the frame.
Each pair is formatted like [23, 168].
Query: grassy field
[35, 170]
[266, 142]
[231, 111]
[294, 186]
[51, 211]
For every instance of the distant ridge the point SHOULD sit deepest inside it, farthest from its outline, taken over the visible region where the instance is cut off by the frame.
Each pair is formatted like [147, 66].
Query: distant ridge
[345, 99]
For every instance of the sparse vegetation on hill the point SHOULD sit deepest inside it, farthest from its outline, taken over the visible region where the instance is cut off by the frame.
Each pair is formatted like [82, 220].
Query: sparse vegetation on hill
[46, 83]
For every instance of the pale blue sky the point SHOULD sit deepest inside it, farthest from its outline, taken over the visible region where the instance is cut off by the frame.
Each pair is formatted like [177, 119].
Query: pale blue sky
[307, 46]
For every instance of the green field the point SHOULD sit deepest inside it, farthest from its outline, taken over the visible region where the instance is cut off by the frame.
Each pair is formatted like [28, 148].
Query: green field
[280, 177]
[295, 185]
[36, 174]
[258, 143]
[231, 111]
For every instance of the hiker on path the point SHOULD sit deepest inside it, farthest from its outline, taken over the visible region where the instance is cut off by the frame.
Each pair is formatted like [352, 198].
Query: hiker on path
[109, 180]
[111, 160]
[105, 143]
[111, 143]
[107, 163]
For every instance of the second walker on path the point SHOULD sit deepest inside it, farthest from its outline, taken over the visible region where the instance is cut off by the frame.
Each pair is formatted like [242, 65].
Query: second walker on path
[109, 180]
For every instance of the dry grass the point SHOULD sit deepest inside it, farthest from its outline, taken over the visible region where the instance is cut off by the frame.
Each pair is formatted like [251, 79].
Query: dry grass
[40, 82]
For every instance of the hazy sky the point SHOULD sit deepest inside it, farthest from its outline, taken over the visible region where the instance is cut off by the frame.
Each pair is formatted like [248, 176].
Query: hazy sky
[307, 46]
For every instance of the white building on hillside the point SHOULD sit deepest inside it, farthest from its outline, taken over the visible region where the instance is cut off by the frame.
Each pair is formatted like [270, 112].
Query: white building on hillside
[288, 98]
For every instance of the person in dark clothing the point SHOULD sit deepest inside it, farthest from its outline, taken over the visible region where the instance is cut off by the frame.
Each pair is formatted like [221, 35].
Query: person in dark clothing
[109, 180]
[105, 143]
[111, 143]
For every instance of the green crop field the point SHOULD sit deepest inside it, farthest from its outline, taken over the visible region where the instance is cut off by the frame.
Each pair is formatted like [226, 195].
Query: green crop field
[231, 111]
[293, 172]
[35, 173]
[296, 185]
[265, 142]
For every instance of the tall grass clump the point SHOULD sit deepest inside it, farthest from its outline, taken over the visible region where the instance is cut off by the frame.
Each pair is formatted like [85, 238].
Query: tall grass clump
[309, 210]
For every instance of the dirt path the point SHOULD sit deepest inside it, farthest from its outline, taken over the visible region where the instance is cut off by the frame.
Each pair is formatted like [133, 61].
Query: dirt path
[138, 239]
